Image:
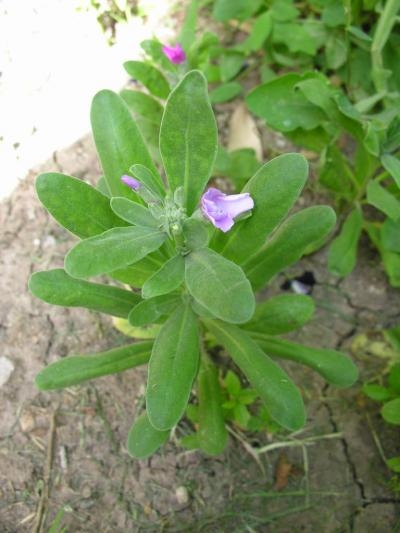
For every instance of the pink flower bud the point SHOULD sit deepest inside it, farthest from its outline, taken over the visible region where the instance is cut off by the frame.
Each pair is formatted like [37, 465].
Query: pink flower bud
[175, 54]
[131, 182]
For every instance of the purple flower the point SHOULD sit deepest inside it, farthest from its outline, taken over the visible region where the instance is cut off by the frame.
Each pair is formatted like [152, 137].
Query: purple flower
[222, 208]
[175, 54]
[131, 182]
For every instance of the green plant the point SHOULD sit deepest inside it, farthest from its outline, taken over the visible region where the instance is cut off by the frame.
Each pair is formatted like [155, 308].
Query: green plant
[191, 262]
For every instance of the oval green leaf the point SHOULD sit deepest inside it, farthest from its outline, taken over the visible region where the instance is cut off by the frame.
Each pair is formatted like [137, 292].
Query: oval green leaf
[188, 128]
[167, 279]
[58, 288]
[343, 249]
[113, 249]
[118, 141]
[335, 367]
[391, 411]
[77, 368]
[289, 243]
[172, 369]
[281, 314]
[134, 213]
[219, 286]
[76, 205]
[281, 397]
[212, 434]
[144, 439]
[149, 76]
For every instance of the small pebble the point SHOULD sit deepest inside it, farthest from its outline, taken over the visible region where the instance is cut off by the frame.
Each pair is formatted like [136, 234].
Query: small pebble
[6, 369]
[181, 495]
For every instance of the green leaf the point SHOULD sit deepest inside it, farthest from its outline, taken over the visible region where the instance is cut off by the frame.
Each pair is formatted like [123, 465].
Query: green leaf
[172, 369]
[149, 311]
[383, 200]
[274, 188]
[392, 165]
[376, 392]
[147, 113]
[335, 172]
[150, 179]
[394, 379]
[143, 105]
[273, 385]
[225, 92]
[394, 464]
[167, 279]
[136, 274]
[343, 249]
[281, 314]
[154, 49]
[195, 234]
[334, 15]
[144, 439]
[76, 205]
[212, 433]
[149, 76]
[77, 368]
[390, 235]
[225, 10]
[300, 39]
[391, 262]
[289, 243]
[133, 213]
[230, 64]
[113, 249]
[284, 107]
[260, 31]
[188, 138]
[232, 383]
[118, 141]
[391, 411]
[219, 285]
[335, 367]
[143, 333]
[336, 51]
[58, 288]
[187, 35]
[238, 165]
[284, 10]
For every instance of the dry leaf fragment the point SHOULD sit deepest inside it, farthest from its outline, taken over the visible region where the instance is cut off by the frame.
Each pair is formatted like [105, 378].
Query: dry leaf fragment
[282, 472]
[243, 132]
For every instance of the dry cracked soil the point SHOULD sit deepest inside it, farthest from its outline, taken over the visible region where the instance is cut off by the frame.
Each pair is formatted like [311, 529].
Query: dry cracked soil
[63, 453]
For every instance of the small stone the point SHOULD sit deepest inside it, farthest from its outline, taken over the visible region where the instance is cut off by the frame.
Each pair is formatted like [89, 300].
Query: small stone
[49, 242]
[6, 369]
[181, 495]
[27, 422]
[86, 492]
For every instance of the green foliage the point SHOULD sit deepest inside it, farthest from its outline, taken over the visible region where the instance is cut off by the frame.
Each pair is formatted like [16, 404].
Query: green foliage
[197, 283]
[188, 128]
[172, 369]
[77, 368]
[219, 285]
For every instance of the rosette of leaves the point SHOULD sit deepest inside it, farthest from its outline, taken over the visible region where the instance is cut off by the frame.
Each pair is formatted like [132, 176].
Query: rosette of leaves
[191, 281]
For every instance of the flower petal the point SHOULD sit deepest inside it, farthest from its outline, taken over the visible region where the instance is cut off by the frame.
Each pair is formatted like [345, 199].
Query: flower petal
[131, 182]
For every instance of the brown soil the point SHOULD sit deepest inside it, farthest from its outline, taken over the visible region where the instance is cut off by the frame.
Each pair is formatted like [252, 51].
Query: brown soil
[65, 451]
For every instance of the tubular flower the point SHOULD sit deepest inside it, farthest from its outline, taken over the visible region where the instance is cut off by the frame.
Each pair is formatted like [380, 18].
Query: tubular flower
[175, 54]
[131, 182]
[221, 209]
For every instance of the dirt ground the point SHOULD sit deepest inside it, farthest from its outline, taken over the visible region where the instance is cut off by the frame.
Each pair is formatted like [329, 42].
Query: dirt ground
[64, 452]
